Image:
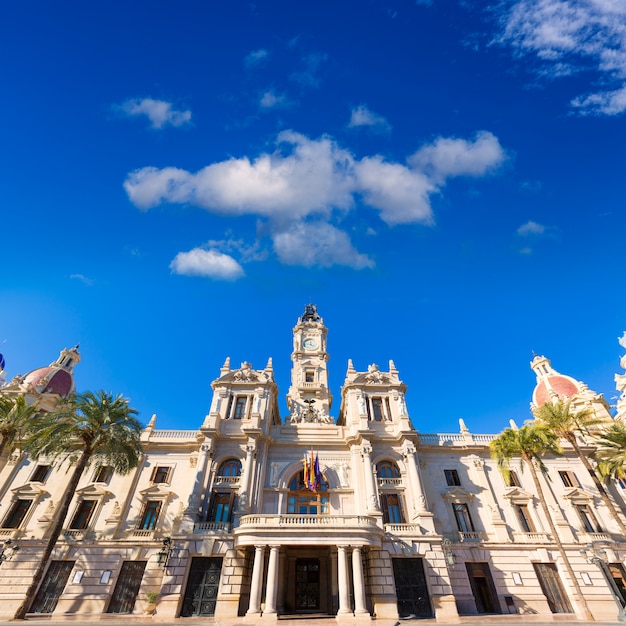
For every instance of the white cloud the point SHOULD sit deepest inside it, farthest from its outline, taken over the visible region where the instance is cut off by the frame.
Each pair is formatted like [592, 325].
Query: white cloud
[568, 36]
[531, 228]
[315, 178]
[83, 279]
[256, 57]
[206, 263]
[362, 116]
[318, 243]
[272, 100]
[447, 157]
[159, 112]
[309, 76]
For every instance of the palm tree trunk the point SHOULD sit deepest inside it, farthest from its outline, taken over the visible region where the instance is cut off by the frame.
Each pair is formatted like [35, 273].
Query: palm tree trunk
[604, 496]
[557, 540]
[57, 527]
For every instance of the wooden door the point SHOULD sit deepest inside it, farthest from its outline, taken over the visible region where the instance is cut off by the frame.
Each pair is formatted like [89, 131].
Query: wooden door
[127, 587]
[52, 587]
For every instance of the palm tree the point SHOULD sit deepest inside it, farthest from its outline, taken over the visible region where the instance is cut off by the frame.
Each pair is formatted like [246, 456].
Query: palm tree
[15, 418]
[90, 427]
[611, 451]
[566, 424]
[530, 443]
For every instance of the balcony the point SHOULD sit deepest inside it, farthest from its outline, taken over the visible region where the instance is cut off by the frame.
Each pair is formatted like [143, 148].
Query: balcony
[390, 482]
[227, 480]
[403, 529]
[308, 529]
[585, 537]
[532, 538]
[473, 536]
[211, 528]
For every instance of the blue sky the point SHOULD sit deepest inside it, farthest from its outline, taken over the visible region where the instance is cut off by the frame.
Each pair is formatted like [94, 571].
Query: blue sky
[445, 180]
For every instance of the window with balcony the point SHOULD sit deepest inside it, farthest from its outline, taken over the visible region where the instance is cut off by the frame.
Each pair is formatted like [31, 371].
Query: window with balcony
[463, 518]
[239, 410]
[387, 469]
[83, 514]
[161, 474]
[230, 468]
[378, 409]
[569, 478]
[309, 376]
[150, 515]
[524, 518]
[393, 509]
[16, 514]
[452, 477]
[103, 474]
[40, 474]
[303, 501]
[221, 507]
[588, 519]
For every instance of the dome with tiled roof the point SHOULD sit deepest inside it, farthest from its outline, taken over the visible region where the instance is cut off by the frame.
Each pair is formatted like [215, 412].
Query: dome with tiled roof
[57, 378]
[551, 385]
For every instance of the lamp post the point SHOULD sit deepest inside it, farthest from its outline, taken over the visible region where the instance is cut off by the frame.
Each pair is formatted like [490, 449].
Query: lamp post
[163, 555]
[6, 552]
[599, 558]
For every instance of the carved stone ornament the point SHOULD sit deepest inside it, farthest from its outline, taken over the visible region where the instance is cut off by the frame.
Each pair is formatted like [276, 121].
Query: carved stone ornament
[245, 374]
[374, 375]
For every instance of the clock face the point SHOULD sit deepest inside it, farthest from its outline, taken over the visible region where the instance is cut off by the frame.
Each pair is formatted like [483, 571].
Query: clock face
[309, 343]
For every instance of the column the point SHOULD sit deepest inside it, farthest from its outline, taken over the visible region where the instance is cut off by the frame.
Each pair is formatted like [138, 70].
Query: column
[272, 582]
[257, 579]
[420, 505]
[344, 592]
[282, 578]
[359, 583]
[244, 492]
[370, 488]
[190, 515]
[482, 480]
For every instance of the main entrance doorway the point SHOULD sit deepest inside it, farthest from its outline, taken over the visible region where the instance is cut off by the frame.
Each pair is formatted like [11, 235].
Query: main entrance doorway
[127, 587]
[307, 585]
[202, 586]
[483, 589]
[411, 589]
[52, 587]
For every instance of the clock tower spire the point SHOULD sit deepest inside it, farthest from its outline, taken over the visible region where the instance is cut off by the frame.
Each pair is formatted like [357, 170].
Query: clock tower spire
[309, 399]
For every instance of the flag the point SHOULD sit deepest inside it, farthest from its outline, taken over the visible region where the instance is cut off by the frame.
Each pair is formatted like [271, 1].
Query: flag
[318, 474]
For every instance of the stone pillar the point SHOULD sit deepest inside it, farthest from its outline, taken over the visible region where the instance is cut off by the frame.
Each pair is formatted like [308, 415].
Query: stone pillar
[359, 583]
[342, 575]
[370, 487]
[257, 579]
[272, 582]
[282, 577]
[482, 480]
[244, 492]
[420, 506]
[190, 515]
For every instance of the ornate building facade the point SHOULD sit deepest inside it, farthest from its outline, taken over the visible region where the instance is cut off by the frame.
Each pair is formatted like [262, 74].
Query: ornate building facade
[222, 521]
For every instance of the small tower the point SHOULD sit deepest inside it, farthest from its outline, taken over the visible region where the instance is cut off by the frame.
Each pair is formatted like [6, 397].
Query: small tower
[308, 398]
[620, 383]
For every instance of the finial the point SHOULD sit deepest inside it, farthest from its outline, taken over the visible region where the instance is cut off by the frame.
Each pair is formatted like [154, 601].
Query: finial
[269, 367]
[351, 369]
[310, 314]
[513, 425]
[464, 428]
[226, 367]
[152, 422]
[392, 367]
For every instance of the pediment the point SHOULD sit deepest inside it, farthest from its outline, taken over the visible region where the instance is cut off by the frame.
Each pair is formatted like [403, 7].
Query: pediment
[245, 377]
[457, 494]
[517, 494]
[32, 490]
[159, 490]
[578, 495]
[93, 491]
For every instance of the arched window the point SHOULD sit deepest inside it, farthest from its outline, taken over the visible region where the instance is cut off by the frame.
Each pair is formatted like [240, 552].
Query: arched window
[231, 467]
[387, 469]
[302, 501]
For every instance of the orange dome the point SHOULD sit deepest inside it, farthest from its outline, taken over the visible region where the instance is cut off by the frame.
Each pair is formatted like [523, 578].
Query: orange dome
[51, 379]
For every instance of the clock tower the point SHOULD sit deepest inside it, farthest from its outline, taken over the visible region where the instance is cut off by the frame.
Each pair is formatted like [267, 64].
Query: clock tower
[308, 398]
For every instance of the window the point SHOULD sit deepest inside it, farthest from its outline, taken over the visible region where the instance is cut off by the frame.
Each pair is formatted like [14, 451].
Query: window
[103, 474]
[81, 518]
[569, 478]
[590, 523]
[150, 515]
[377, 409]
[232, 467]
[309, 376]
[622, 482]
[452, 478]
[240, 407]
[525, 521]
[16, 514]
[393, 511]
[160, 474]
[221, 508]
[463, 518]
[303, 501]
[40, 474]
[387, 469]
[512, 480]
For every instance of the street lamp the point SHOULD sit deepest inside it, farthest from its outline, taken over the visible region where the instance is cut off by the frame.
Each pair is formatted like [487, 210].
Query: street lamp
[599, 558]
[6, 552]
[163, 555]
